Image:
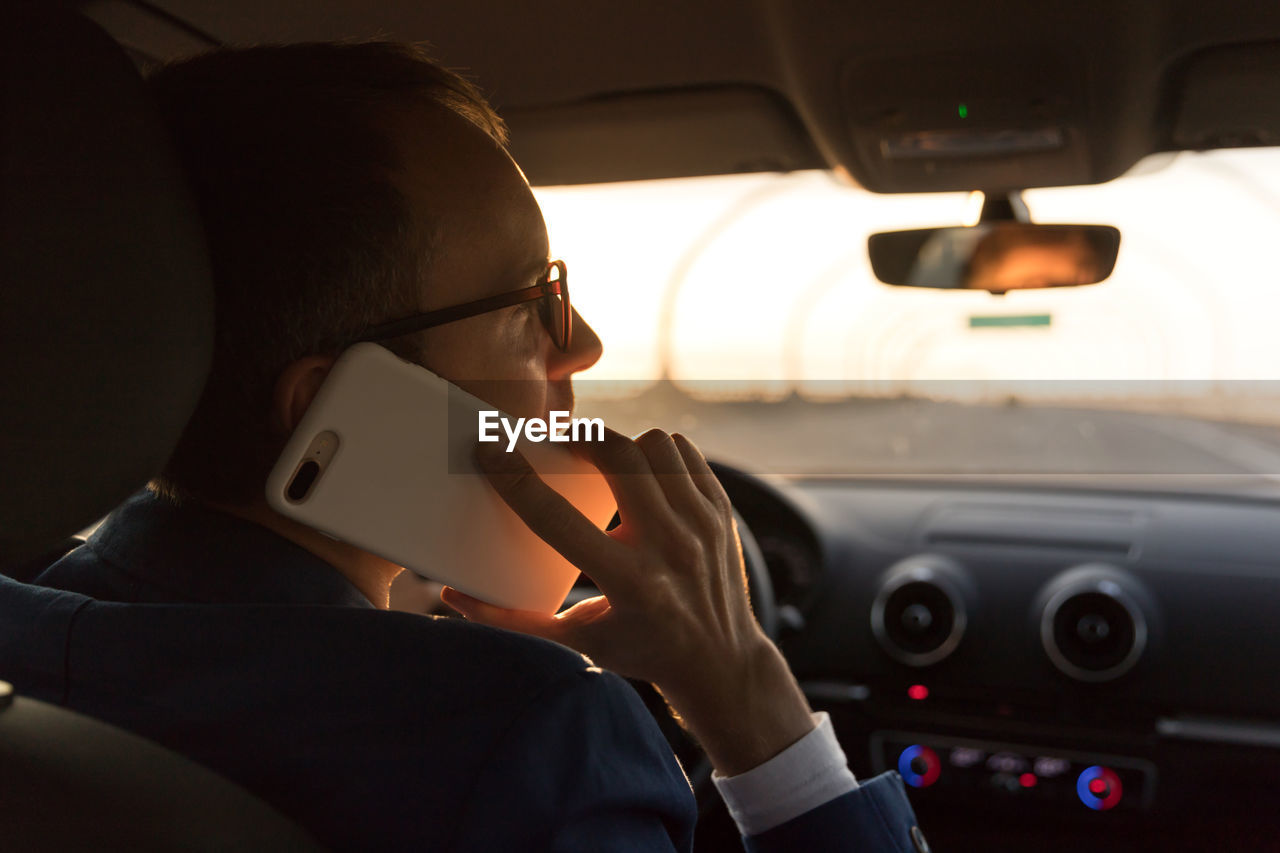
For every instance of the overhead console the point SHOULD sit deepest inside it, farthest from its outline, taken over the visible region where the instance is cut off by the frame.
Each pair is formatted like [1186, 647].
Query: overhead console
[964, 121]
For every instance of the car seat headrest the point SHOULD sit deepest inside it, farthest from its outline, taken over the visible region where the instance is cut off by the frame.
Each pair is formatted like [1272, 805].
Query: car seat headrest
[106, 319]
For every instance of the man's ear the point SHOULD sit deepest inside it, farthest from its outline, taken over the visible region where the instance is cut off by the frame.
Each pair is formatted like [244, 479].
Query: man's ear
[295, 389]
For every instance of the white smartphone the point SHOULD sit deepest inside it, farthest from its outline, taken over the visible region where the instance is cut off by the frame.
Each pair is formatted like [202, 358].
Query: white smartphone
[383, 459]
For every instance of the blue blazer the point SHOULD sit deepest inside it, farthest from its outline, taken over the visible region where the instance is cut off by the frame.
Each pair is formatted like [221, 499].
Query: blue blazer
[373, 729]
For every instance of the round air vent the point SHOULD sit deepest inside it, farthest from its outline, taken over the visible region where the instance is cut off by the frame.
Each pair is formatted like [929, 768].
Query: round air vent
[919, 614]
[1092, 627]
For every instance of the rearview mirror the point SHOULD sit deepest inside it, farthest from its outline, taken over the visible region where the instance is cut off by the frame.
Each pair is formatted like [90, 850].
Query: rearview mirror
[996, 257]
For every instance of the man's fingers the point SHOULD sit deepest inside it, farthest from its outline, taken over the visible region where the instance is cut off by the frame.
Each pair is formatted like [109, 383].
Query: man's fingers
[630, 475]
[587, 627]
[549, 515]
[575, 627]
[703, 477]
[673, 476]
[524, 621]
[661, 453]
[575, 620]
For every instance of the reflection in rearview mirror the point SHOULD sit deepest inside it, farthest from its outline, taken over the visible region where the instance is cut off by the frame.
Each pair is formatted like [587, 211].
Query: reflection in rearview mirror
[997, 257]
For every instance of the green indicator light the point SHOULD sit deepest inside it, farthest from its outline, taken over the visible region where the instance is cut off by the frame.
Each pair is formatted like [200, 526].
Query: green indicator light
[963, 110]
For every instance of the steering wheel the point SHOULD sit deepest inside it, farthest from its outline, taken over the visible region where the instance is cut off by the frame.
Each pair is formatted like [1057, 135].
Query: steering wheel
[759, 585]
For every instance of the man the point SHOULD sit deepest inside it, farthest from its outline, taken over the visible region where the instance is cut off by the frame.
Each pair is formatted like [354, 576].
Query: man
[344, 186]
[1014, 256]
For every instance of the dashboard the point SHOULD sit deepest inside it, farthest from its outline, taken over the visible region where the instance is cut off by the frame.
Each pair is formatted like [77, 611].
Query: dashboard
[1045, 667]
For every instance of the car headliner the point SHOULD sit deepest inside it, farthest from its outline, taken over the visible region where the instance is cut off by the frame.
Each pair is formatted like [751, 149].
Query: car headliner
[629, 90]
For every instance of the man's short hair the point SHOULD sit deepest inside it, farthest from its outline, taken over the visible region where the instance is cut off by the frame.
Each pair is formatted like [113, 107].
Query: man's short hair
[291, 158]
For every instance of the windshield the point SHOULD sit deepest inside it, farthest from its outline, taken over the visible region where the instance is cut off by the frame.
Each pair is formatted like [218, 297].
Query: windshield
[743, 311]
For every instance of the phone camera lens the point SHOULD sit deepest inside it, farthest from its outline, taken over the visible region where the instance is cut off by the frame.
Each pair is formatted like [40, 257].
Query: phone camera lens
[303, 480]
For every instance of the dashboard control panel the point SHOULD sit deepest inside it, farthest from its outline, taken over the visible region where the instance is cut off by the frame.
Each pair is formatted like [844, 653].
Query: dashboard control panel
[981, 769]
[1083, 655]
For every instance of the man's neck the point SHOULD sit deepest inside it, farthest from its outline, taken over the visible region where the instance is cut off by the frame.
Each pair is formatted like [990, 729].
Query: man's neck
[371, 575]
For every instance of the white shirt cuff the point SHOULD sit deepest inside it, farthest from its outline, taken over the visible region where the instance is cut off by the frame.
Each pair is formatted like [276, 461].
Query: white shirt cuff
[810, 772]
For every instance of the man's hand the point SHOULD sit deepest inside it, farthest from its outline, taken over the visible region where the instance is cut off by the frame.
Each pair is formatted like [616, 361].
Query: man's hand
[674, 609]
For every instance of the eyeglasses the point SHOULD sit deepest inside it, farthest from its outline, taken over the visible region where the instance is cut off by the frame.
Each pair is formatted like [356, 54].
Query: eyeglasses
[552, 289]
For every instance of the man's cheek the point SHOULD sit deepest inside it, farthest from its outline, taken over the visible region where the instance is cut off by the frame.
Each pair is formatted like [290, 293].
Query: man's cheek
[527, 398]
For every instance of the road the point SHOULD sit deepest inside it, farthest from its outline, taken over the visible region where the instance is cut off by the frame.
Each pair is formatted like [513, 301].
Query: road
[921, 437]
